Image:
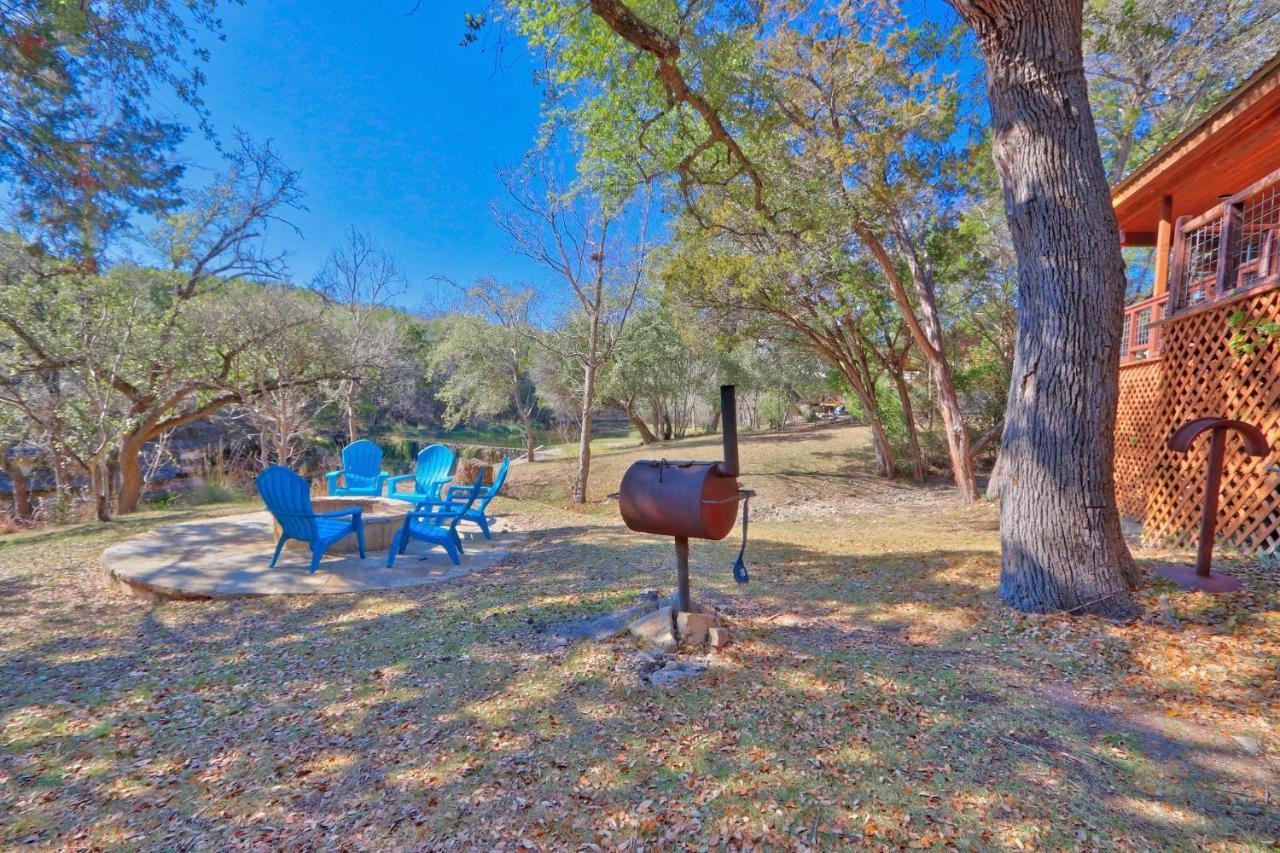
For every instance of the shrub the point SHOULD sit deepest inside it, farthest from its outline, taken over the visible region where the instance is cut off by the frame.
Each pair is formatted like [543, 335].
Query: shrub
[212, 492]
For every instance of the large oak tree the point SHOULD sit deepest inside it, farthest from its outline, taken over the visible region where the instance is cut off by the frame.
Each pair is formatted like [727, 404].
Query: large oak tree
[1062, 547]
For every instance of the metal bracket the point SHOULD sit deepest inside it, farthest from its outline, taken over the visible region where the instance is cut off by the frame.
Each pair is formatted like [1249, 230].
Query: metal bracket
[742, 493]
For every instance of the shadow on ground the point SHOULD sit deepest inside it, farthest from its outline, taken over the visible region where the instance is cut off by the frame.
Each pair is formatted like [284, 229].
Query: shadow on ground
[870, 698]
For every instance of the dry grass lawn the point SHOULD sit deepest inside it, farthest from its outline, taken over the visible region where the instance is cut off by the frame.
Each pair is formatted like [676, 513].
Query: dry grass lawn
[877, 694]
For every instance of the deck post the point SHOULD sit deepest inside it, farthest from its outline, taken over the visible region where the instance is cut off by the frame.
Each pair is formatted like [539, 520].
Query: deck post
[1164, 245]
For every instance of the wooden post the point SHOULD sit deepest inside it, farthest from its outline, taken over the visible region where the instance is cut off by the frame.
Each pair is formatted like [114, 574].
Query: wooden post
[1178, 271]
[1164, 244]
[1226, 251]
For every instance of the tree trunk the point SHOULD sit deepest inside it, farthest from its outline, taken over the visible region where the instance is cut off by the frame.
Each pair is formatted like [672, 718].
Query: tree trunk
[21, 491]
[646, 435]
[909, 418]
[584, 437]
[715, 421]
[857, 373]
[934, 349]
[879, 438]
[351, 413]
[1062, 547]
[526, 423]
[588, 406]
[99, 485]
[130, 473]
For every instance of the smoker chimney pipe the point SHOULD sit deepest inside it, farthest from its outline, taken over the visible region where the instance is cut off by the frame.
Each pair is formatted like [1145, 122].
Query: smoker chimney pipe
[729, 427]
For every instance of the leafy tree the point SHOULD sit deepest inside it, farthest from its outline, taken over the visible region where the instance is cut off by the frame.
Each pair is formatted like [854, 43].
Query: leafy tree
[759, 116]
[81, 146]
[183, 372]
[578, 235]
[74, 343]
[658, 371]
[362, 280]
[17, 432]
[1155, 65]
[280, 375]
[485, 364]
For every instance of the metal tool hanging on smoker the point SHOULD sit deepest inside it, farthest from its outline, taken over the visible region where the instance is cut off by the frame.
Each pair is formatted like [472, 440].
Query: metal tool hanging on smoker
[690, 500]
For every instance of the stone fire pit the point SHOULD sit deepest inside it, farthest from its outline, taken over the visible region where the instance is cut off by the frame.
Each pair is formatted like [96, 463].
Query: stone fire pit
[382, 518]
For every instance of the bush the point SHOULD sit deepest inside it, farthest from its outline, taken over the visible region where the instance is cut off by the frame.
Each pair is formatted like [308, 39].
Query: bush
[211, 492]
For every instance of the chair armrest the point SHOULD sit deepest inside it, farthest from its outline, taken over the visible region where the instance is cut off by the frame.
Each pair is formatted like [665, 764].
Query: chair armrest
[338, 513]
[436, 506]
[331, 478]
[423, 515]
[465, 492]
[392, 482]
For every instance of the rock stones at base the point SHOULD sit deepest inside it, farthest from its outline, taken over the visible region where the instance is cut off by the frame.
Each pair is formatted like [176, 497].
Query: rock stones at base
[676, 670]
[655, 630]
[718, 636]
[607, 625]
[692, 628]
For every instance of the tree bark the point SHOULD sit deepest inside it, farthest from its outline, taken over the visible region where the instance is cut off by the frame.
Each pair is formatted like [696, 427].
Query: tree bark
[926, 331]
[885, 463]
[909, 418]
[526, 423]
[130, 463]
[646, 435]
[350, 405]
[100, 486]
[1062, 547]
[21, 491]
[588, 407]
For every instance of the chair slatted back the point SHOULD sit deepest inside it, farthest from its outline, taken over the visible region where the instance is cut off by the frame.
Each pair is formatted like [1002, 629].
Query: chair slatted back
[288, 497]
[474, 492]
[434, 463]
[361, 464]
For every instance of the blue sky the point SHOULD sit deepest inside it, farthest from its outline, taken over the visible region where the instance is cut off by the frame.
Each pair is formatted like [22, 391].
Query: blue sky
[395, 128]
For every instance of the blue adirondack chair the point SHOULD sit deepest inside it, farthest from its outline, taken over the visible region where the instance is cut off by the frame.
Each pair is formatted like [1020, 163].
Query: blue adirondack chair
[435, 528]
[478, 515]
[362, 474]
[434, 465]
[288, 497]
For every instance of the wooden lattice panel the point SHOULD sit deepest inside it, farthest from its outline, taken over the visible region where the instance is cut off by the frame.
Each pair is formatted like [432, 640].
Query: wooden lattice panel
[1137, 433]
[1201, 376]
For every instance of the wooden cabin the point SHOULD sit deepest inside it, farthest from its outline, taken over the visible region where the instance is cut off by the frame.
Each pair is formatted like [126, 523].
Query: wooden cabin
[1209, 204]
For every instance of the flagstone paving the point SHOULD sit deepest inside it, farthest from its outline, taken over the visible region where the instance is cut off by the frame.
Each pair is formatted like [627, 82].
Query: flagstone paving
[229, 557]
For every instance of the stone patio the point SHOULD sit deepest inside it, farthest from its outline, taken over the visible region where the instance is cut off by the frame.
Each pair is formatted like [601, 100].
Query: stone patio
[228, 558]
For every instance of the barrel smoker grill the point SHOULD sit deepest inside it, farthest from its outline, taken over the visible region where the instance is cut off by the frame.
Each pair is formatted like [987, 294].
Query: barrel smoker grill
[689, 500]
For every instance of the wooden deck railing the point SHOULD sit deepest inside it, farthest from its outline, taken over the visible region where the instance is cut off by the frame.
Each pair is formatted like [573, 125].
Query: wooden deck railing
[1140, 339]
[1229, 249]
